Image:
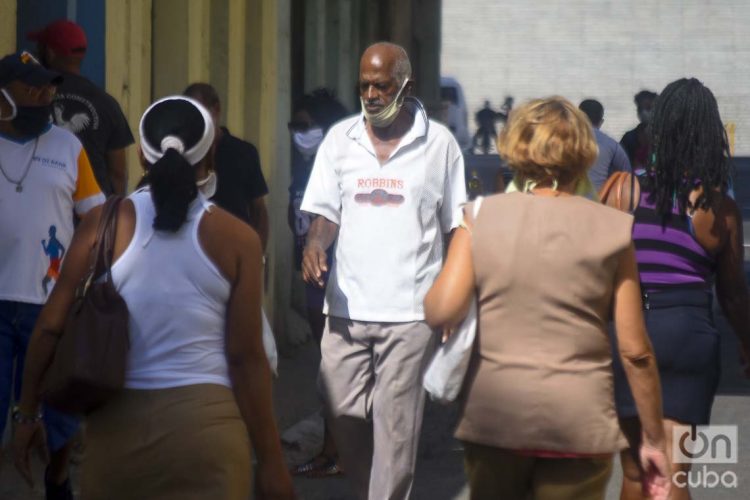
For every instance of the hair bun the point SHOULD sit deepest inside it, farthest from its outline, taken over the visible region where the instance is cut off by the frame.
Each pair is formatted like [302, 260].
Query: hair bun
[172, 142]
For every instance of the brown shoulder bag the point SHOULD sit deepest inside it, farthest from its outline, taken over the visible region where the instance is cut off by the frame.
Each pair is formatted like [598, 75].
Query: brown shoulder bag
[621, 191]
[89, 364]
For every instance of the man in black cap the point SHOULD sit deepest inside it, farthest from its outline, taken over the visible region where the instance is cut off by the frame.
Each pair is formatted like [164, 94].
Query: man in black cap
[82, 107]
[45, 178]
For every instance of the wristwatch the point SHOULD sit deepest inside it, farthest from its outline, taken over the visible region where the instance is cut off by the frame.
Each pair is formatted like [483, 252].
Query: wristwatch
[21, 418]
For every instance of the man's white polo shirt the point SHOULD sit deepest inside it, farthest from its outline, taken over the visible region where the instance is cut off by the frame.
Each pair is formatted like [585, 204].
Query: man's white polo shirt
[391, 216]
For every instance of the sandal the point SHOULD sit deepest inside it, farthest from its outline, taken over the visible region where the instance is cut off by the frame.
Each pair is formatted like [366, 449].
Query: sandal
[320, 466]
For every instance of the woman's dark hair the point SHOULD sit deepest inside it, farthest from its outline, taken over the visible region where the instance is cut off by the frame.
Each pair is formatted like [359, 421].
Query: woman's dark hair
[322, 106]
[690, 148]
[172, 177]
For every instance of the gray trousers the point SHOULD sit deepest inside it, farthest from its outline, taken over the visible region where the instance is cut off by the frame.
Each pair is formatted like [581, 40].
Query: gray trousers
[371, 383]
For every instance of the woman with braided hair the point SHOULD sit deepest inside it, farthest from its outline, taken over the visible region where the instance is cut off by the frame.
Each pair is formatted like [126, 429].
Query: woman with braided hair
[688, 237]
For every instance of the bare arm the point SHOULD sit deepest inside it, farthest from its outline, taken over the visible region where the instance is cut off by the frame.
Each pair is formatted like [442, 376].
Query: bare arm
[731, 285]
[47, 331]
[249, 369]
[321, 235]
[635, 349]
[117, 169]
[259, 216]
[51, 322]
[447, 301]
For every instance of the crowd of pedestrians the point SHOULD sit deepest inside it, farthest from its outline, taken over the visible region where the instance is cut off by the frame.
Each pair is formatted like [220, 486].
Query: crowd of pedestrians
[580, 306]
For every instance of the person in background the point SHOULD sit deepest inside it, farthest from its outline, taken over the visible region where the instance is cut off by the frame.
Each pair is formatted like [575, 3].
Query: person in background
[46, 181]
[238, 186]
[688, 240]
[486, 131]
[313, 115]
[385, 186]
[636, 142]
[611, 158]
[83, 108]
[197, 389]
[548, 269]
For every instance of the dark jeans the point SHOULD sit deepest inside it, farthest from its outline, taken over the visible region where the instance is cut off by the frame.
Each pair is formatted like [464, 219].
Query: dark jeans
[17, 320]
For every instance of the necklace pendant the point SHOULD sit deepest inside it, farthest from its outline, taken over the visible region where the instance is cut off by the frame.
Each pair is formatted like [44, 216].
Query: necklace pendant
[19, 188]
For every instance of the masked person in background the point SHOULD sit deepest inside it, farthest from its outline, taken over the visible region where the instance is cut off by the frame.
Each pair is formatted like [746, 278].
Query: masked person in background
[238, 185]
[313, 115]
[46, 179]
[636, 142]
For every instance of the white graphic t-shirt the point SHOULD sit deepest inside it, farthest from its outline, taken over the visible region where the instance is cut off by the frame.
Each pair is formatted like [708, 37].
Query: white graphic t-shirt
[44, 182]
[392, 217]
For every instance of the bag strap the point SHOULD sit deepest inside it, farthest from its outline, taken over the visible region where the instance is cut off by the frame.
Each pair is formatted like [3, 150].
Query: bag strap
[104, 247]
[477, 206]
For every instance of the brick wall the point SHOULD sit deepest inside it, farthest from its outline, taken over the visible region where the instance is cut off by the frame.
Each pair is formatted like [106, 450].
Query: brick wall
[605, 49]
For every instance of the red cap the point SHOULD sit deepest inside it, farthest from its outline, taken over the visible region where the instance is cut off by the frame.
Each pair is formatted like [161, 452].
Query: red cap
[62, 36]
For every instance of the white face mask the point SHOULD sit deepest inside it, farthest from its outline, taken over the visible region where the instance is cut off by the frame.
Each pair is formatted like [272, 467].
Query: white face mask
[307, 142]
[207, 186]
[12, 104]
[388, 114]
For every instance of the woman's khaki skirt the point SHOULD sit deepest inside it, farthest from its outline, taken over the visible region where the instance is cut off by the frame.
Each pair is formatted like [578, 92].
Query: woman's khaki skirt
[179, 443]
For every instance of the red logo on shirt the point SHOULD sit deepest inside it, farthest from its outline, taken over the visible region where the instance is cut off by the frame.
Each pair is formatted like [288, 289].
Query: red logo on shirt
[379, 198]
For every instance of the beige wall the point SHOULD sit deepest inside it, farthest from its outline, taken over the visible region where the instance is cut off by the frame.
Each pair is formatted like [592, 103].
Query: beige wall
[128, 65]
[8, 10]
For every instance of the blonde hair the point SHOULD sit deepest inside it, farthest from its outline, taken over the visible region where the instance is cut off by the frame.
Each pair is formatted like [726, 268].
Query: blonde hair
[548, 141]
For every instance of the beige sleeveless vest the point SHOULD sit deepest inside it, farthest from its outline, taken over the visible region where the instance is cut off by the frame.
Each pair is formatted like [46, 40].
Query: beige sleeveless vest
[541, 378]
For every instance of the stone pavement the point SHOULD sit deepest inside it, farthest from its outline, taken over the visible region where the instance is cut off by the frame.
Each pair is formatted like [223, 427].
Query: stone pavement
[439, 471]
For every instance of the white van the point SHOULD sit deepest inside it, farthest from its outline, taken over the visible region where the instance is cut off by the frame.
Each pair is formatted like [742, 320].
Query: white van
[457, 116]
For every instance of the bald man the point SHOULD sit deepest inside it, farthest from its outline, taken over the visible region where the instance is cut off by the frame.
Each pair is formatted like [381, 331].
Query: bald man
[388, 182]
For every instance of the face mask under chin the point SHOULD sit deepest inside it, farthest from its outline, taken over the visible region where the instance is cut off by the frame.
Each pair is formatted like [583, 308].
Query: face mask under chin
[207, 186]
[386, 116]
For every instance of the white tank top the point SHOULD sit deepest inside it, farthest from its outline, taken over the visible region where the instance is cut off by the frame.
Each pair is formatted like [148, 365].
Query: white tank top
[177, 300]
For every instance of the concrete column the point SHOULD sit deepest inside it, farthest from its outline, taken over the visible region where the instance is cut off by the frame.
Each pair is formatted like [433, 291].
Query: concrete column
[267, 110]
[426, 51]
[235, 103]
[198, 40]
[315, 43]
[8, 20]
[346, 78]
[218, 48]
[171, 61]
[128, 65]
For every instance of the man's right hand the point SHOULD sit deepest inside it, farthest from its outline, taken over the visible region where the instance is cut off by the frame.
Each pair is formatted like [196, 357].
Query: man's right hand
[314, 264]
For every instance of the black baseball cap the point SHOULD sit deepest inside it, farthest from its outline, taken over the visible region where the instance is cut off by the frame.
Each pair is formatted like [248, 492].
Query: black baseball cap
[24, 67]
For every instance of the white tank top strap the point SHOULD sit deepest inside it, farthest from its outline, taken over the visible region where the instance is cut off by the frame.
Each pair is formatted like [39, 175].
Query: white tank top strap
[177, 300]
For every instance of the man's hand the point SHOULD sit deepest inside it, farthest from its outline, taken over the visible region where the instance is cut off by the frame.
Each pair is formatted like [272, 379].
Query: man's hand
[314, 264]
[657, 477]
[26, 437]
[274, 483]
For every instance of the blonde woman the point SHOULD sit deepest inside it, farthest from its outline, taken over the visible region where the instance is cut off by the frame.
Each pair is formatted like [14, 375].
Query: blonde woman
[538, 418]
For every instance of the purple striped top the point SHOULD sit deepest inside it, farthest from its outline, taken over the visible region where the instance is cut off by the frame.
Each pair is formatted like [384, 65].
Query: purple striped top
[668, 254]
